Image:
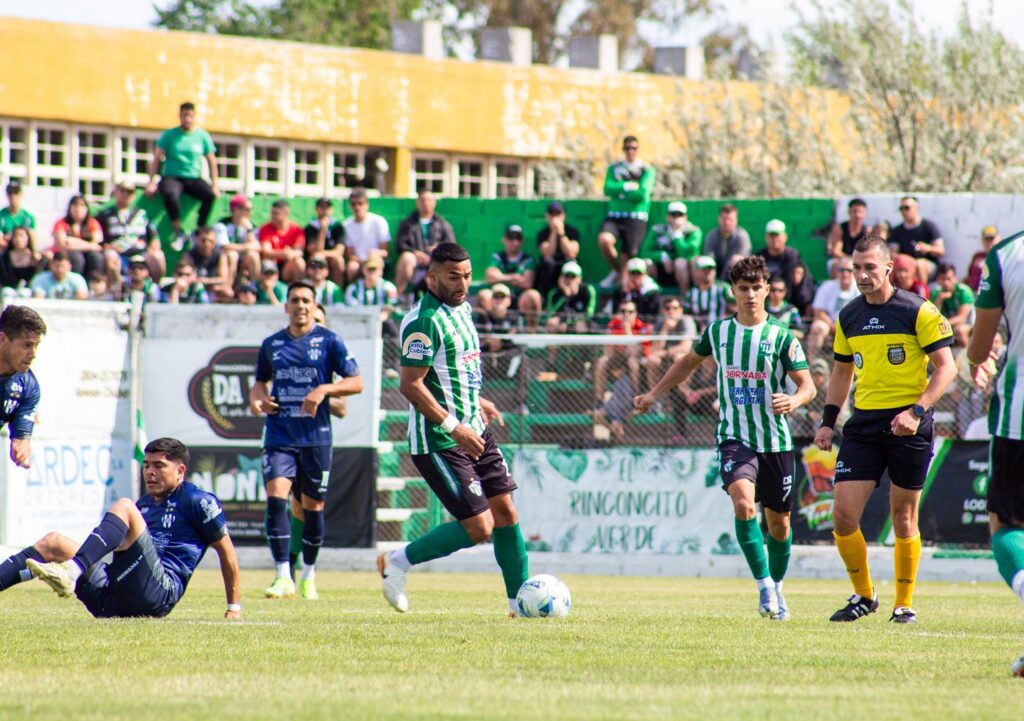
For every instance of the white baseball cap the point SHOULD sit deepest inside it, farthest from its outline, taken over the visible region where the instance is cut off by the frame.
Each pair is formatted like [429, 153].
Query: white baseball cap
[636, 265]
[775, 227]
[676, 206]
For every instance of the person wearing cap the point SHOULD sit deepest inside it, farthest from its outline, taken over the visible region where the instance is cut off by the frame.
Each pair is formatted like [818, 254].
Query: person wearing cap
[417, 235]
[571, 304]
[515, 269]
[628, 185]
[904, 275]
[708, 298]
[497, 320]
[246, 294]
[989, 238]
[15, 215]
[640, 289]
[211, 264]
[282, 241]
[236, 237]
[785, 262]
[178, 160]
[365, 233]
[128, 231]
[670, 246]
[270, 289]
[917, 237]
[139, 280]
[372, 289]
[557, 242]
[325, 290]
[326, 234]
[728, 241]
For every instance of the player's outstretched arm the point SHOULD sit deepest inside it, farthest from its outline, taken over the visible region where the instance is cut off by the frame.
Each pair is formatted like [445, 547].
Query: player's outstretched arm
[676, 374]
[229, 570]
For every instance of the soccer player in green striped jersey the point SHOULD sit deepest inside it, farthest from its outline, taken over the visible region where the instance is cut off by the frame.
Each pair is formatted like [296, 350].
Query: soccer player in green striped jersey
[755, 353]
[449, 442]
[1001, 295]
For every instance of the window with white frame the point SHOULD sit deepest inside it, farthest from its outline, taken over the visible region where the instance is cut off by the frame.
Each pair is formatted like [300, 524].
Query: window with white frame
[230, 164]
[13, 150]
[346, 167]
[51, 167]
[134, 154]
[268, 168]
[430, 173]
[306, 170]
[471, 178]
[508, 179]
[93, 167]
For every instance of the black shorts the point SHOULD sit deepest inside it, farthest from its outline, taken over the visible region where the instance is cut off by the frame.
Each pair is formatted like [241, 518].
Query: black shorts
[307, 467]
[665, 278]
[869, 448]
[134, 583]
[629, 232]
[771, 473]
[1005, 486]
[462, 484]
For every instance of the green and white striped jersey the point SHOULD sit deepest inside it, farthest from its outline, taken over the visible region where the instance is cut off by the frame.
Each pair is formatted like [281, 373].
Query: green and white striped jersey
[384, 294]
[443, 338]
[752, 365]
[708, 305]
[1002, 286]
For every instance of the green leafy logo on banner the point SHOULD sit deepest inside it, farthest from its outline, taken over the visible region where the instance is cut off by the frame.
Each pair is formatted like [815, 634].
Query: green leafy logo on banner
[980, 484]
[571, 464]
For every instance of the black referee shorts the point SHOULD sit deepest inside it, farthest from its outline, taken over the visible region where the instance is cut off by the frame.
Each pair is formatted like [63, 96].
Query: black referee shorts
[1005, 484]
[869, 448]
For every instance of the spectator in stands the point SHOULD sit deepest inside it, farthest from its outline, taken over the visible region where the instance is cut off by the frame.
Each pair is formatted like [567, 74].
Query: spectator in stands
[372, 289]
[128, 232]
[639, 289]
[626, 322]
[15, 216]
[727, 242]
[845, 235]
[917, 237]
[326, 291]
[139, 280]
[80, 236]
[236, 237]
[499, 319]
[98, 288]
[60, 281]
[365, 232]
[186, 288]
[178, 160]
[781, 309]
[672, 322]
[571, 304]
[617, 410]
[881, 229]
[517, 270]
[557, 243]
[954, 300]
[271, 290]
[20, 261]
[282, 241]
[628, 185]
[417, 236]
[904, 275]
[832, 297]
[780, 260]
[247, 294]
[708, 299]
[325, 235]
[670, 246]
[211, 264]
[989, 237]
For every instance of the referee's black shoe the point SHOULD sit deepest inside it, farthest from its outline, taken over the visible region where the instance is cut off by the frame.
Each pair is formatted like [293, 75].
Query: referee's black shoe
[856, 607]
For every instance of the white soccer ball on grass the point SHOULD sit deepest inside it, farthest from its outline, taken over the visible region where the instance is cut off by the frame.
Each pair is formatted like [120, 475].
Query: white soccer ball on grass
[543, 596]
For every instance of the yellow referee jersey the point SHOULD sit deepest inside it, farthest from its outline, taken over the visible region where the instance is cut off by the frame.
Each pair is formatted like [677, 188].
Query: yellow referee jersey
[888, 345]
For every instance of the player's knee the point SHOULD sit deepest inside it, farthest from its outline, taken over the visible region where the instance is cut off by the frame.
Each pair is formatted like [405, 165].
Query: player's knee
[744, 508]
[48, 545]
[479, 533]
[778, 527]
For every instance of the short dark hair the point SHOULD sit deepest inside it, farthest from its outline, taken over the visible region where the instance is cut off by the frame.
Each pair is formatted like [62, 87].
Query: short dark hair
[357, 194]
[751, 269]
[300, 284]
[203, 230]
[630, 139]
[185, 262]
[96, 275]
[174, 449]
[727, 208]
[778, 279]
[448, 252]
[19, 320]
[60, 255]
[909, 197]
[868, 242]
[943, 268]
[279, 204]
[187, 105]
[857, 201]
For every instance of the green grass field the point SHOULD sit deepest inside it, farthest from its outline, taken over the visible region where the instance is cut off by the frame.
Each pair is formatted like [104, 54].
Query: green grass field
[633, 648]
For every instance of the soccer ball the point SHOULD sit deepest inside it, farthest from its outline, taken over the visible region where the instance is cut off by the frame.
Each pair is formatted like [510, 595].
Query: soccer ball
[543, 596]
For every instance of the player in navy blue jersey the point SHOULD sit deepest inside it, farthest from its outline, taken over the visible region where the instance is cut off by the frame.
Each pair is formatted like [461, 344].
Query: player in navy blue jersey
[21, 330]
[157, 543]
[300, 362]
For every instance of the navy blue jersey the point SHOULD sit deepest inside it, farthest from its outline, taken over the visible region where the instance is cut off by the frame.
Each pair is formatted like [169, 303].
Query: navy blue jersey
[296, 366]
[20, 394]
[183, 526]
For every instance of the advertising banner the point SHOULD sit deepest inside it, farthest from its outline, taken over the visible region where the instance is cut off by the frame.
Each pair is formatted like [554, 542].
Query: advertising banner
[954, 508]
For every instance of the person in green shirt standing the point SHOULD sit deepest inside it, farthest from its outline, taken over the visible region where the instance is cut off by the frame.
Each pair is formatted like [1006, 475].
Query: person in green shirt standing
[955, 301]
[670, 246]
[15, 216]
[628, 185]
[178, 160]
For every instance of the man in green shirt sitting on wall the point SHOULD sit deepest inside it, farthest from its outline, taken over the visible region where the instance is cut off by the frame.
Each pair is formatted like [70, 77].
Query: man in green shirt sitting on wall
[955, 300]
[628, 185]
[670, 246]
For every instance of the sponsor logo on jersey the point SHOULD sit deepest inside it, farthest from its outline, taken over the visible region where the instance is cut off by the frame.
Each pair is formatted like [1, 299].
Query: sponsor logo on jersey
[417, 347]
[896, 354]
[9, 406]
[858, 359]
[314, 354]
[796, 352]
[745, 375]
[767, 346]
[15, 389]
[873, 324]
[210, 508]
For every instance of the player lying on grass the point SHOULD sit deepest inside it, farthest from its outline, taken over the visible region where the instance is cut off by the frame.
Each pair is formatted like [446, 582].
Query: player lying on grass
[754, 353]
[157, 544]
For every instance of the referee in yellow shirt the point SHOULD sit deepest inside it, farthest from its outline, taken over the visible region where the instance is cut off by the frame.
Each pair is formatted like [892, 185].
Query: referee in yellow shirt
[886, 338]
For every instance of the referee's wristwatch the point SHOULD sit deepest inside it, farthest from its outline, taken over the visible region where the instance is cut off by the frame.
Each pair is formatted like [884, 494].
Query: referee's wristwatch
[919, 410]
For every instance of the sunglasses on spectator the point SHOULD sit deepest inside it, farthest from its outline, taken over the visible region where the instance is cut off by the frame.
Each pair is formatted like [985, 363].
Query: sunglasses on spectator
[354, 203]
[630, 311]
[845, 270]
[514, 237]
[631, 147]
[905, 207]
[499, 295]
[676, 214]
[317, 264]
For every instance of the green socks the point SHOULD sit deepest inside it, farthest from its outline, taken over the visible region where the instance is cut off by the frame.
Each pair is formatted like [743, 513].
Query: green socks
[510, 553]
[444, 540]
[295, 544]
[1008, 548]
[778, 556]
[751, 540]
